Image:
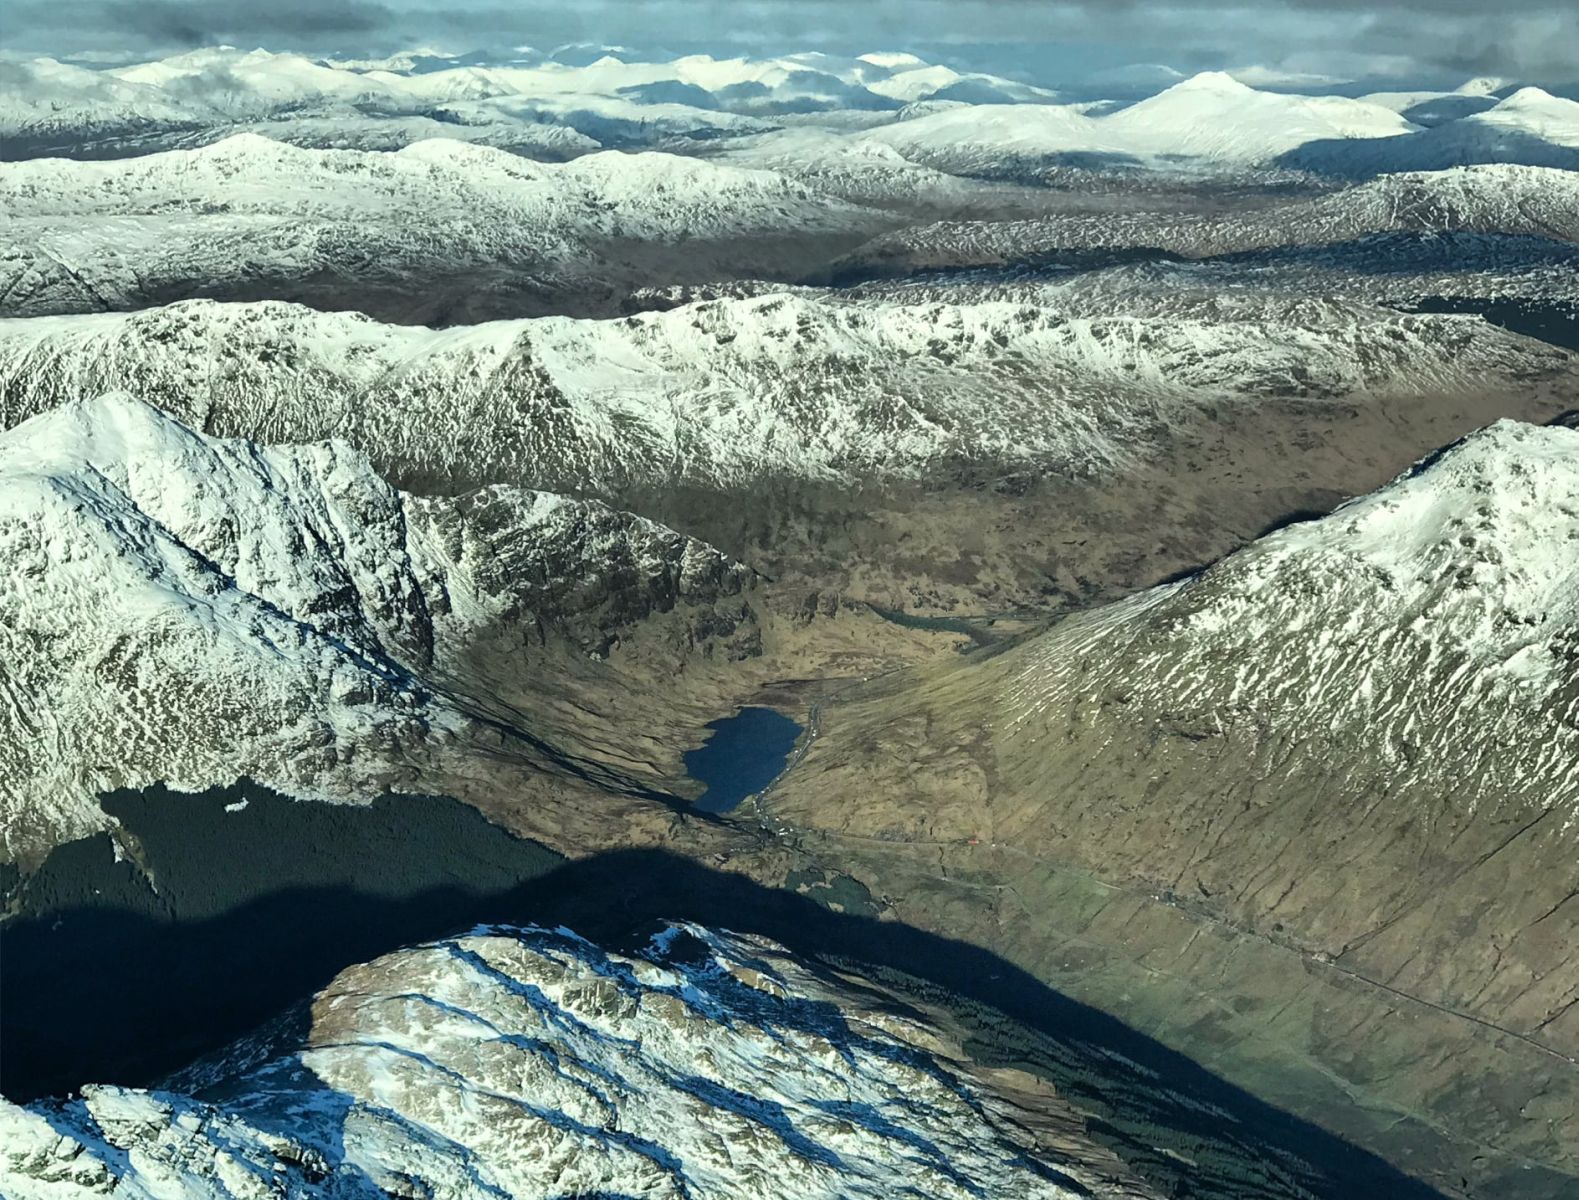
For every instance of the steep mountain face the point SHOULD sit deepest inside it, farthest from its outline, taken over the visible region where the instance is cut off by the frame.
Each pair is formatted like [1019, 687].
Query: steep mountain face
[1353, 744]
[191, 610]
[441, 230]
[531, 1063]
[731, 394]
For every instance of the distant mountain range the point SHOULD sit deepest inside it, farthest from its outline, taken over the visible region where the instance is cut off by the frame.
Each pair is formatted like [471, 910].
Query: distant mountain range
[439, 232]
[1501, 201]
[966, 122]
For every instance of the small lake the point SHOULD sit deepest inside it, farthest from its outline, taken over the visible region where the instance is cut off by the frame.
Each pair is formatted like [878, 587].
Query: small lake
[742, 755]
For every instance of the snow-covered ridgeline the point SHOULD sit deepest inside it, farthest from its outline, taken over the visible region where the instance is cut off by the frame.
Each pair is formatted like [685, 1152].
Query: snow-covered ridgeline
[216, 86]
[1530, 126]
[531, 1063]
[250, 215]
[964, 121]
[1435, 621]
[1214, 119]
[191, 610]
[1494, 199]
[642, 194]
[731, 392]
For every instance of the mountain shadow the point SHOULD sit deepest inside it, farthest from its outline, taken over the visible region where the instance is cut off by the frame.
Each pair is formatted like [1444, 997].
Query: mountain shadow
[1436, 149]
[256, 901]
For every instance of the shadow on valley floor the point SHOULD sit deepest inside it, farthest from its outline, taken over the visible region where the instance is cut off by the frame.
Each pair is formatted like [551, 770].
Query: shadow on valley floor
[1052, 263]
[108, 980]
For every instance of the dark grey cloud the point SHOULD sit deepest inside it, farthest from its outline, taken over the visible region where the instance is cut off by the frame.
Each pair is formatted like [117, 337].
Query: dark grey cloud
[190, 23]
[1533, 40]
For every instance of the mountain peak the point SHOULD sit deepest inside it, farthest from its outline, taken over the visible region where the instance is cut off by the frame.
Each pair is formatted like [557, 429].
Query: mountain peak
[896, 60]
[1531, 97]
[1211, 81]
[243, 145]
[690, 1041]
[1481, 85]
[87, 430]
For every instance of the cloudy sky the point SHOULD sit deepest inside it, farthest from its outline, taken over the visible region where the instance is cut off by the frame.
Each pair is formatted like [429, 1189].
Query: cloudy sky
[1046, 40]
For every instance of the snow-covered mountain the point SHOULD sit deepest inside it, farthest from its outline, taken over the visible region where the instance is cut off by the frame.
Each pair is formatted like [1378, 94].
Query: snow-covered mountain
[1430, 108]
[1313, 811]
[438, 228]
[47, 105]
[1359, 735]
[933, 114]
[863, 170]
[191, 610]
[1216, 117]
[735, 394]
[991, 138]
[256, 82]
[1538, 113]
[1516, 201]
[528, 1063]
[1530, 126]
[1211, 117]
[1434, 619]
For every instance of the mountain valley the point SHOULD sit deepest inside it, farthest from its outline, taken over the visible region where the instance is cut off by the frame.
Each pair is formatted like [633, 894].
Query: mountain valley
[1118, 540]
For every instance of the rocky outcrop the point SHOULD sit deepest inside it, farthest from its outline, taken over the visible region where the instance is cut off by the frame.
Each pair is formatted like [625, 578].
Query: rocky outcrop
[531, 1063]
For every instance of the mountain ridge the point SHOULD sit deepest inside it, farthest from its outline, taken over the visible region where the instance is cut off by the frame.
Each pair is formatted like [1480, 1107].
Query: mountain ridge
[527, 1061]
[215, 610]
[1348, 747]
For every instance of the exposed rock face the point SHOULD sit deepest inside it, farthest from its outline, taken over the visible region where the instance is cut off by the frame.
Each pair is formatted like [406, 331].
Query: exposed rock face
[531, 1063]
[1355, 739]
[192, 610]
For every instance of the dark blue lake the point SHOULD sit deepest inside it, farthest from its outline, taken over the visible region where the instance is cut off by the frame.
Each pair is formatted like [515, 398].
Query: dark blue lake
[742, 755]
